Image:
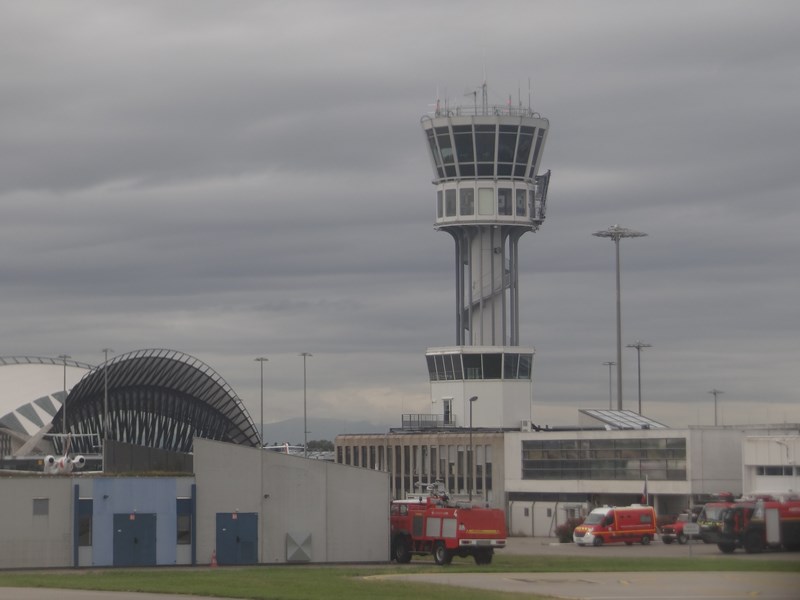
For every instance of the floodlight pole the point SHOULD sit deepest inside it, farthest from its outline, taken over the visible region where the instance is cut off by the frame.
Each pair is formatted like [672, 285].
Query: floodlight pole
[609, 364]
[105, 396]
[616, 233]
[64, 357]
[716, 393]
[471, 458]
[261, 360]
[639, 345]
[305, 355]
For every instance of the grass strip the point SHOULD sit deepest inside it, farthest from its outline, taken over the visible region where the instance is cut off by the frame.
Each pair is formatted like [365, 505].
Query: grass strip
[349, 582]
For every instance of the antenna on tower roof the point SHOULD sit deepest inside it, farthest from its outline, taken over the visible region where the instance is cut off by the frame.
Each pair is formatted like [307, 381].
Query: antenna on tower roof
[530, 108]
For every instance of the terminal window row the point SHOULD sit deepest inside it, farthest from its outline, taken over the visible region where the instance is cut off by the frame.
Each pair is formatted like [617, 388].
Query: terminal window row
[509, 202]
[629, 459]
[775, 470]
[494, 365]
[485, 150]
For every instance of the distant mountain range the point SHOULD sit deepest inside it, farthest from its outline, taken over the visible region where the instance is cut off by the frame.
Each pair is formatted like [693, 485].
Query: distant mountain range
[291, 430]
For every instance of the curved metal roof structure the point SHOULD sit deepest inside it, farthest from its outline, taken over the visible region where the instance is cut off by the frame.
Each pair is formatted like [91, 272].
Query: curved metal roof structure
[159, 399]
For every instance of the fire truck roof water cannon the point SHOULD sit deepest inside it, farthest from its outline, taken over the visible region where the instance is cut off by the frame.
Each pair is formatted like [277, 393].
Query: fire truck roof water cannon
[432, 524]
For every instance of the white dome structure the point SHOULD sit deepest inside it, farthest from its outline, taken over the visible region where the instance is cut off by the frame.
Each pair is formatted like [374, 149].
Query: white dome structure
[31, 393]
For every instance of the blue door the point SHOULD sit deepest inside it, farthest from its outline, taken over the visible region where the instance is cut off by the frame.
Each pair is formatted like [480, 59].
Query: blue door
[134, 540]
[237, 538]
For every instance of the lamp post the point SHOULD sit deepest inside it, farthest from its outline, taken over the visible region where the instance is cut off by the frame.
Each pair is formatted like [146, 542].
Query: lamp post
[639, 345]
[105, 396]
[609, 364]
[616, 233]
[305, 355]
[716, 393]
[261, 360]
[471, 460]
[64, 357]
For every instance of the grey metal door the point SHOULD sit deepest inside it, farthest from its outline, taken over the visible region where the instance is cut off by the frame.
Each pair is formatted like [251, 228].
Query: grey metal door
[237, 538]
[134, 539]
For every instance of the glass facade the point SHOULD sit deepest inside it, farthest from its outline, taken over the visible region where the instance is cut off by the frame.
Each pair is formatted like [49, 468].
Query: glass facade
[489, 365]
[485, 150]
[414, 464]
[658, 459]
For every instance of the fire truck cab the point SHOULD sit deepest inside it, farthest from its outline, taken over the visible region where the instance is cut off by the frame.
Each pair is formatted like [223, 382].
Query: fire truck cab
[609, 524]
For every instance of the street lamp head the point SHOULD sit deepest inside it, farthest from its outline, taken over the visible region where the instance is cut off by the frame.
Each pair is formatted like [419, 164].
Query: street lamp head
[615, 232]
[609, 363]
[639, 345]
[305, 354]
[473, 399]
[261, 359]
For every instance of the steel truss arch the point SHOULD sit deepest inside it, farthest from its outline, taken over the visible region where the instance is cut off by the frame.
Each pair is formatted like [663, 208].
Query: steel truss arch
[160, 399]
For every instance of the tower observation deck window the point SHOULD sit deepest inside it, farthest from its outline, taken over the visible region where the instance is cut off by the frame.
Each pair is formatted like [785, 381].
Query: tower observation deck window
[465, 151]
[522, 203]
[523, 151]
[484, 149]
[459, 367]
[467, 201]
[450, 203]
[504, 203]
[539, 140]
[439, 204]
[446, 150]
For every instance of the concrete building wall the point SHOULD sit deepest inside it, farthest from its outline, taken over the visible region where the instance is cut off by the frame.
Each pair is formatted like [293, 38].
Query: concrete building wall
[715, 463]
[770, 464]
[341, 512]
[36, 540]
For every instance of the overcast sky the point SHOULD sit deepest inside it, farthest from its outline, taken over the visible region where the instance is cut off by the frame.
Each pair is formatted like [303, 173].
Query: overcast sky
[235, 179]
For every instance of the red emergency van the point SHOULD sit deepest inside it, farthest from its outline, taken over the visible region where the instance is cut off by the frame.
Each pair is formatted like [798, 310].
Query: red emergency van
[609, 524]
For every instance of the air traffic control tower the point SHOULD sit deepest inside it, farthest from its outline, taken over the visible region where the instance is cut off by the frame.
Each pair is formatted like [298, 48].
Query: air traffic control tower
[485, 163]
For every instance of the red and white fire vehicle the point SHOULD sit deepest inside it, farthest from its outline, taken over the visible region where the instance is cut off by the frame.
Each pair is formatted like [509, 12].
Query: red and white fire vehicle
[608, 524]
[763, 524]
[434, 525]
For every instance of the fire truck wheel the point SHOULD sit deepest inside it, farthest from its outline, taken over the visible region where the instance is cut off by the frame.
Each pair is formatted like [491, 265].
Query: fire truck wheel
[645, 540]
[726, 548]
[402, 550]
[598, 541]
[682, 539]
[752, 542]
[441, 555]
[483, 556]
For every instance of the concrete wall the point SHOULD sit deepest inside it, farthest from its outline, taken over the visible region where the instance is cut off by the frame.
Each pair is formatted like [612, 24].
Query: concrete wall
[28, 540]
[771, 451]
[344, 510]
[715, 460]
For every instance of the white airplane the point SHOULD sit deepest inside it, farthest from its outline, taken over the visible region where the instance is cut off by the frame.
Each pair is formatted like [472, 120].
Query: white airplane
[63, 464]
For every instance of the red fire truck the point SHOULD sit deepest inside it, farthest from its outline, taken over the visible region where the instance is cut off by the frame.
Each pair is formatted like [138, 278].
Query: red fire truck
[766, 523]
[434, 525]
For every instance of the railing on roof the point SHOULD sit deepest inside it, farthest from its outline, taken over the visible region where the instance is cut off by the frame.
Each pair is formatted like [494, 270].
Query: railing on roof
[411, 421]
